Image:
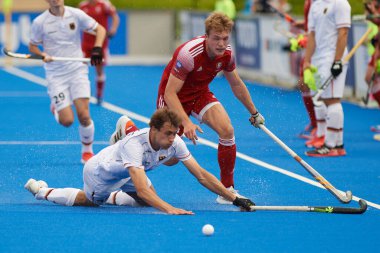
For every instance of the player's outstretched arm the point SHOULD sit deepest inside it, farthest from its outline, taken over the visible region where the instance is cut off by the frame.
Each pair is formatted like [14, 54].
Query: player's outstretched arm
[209, 181]
[173, 86]
[138, 176]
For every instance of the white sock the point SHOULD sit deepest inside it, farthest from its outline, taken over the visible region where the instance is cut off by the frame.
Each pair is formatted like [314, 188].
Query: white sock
[121, 198]
[320, 115]
[62, 196]
[334, 125]
[87, 137]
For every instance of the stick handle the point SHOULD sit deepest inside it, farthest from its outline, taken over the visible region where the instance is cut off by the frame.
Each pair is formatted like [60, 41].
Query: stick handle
[357, 45]
[311, 170]
[70, 59]
[317, 209]
[284, 15]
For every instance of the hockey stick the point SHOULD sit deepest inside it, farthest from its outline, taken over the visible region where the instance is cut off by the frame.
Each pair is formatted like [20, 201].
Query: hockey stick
[342, 198]
[278, 28]
[39, 57]
[346, 59]
[366, 98]
[365, 17]
[316, 209]
[282, 14]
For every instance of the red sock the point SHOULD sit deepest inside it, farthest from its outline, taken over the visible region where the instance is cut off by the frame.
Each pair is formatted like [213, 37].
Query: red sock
[376, 96]
[226, 160]
[99, 89]
[307, 100]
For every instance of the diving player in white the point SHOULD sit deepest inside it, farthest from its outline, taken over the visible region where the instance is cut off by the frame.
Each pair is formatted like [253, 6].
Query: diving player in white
[123, 167]
[58, 30]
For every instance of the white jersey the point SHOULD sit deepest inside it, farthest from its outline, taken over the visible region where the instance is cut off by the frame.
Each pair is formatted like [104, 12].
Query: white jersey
[325, 17]
[61, 36]
[135, 150]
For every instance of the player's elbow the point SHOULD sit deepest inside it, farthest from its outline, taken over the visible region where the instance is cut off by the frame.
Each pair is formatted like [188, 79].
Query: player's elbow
[169, 94]
[143, 193]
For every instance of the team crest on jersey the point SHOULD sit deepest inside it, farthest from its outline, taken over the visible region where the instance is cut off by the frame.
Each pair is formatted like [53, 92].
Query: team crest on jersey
[179, 64]
[218, 65]
[161, 157]
[325, 11]
[72, 26]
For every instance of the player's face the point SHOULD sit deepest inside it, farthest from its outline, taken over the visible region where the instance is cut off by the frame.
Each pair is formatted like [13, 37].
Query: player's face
[164, 137]
[217, 42]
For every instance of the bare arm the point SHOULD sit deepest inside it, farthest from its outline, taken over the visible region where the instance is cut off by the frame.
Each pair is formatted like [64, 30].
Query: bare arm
[99, 36]
[207, 179]
[240, 90]
[173, 86]
[115, 24]
[341, 43]
[309, 49]
[34, 49]
[148, 195]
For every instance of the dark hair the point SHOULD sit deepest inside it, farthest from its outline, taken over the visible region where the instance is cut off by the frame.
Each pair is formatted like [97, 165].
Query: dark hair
[218, 22]
[163, 115]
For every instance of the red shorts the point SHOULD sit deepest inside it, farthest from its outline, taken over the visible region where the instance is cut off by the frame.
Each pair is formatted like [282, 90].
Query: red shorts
[197, 107]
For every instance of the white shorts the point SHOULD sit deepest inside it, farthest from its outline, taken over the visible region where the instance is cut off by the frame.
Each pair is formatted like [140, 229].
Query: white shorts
[64, 89]
[336, 87]
[98, 190]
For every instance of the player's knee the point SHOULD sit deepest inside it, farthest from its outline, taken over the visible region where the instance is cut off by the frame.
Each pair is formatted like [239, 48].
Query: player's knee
[84, 119]
[66, 122]
[227, 132]
[81, 200]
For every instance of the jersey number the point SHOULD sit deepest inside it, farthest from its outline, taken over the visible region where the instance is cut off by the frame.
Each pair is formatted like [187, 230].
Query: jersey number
[59, 98]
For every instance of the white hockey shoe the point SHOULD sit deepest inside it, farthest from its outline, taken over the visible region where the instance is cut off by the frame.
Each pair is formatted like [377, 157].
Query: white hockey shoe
[222, 201]
[124, 125]
[34, 186]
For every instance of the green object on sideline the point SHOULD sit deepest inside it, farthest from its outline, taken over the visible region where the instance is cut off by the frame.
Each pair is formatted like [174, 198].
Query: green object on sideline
[309, 79]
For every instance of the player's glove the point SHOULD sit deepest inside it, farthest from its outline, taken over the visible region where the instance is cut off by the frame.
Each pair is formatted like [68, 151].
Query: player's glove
[309, 79]
[96, 56]
[244, 204]
[336, 68]
[257, 119]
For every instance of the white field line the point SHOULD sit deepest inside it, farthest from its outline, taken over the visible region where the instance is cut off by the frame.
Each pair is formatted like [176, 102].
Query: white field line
[135, 116]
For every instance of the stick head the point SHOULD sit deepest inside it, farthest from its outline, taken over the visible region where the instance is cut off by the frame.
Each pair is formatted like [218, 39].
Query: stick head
[348, 197]
[363, 205]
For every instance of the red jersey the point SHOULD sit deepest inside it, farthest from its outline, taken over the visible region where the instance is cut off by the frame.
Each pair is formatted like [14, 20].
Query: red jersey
[191, 64]
[306, 8]
[100, 10]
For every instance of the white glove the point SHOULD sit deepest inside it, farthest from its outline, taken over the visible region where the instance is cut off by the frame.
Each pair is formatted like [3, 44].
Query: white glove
[257, 119]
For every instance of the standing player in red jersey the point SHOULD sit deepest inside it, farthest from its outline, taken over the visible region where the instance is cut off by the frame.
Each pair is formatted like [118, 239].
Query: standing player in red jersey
[100, 10]
[184, 88]
[310, 129]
